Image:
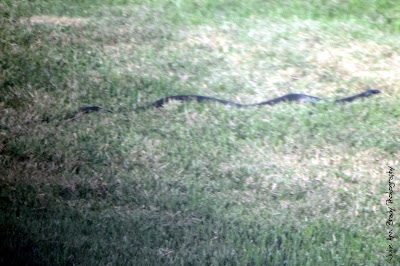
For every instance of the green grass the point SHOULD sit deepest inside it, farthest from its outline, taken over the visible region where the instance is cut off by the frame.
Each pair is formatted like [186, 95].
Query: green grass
[196, 184]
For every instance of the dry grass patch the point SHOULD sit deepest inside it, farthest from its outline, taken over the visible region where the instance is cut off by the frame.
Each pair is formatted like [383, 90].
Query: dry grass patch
[363, 60]
[210, 38]
[54, 20]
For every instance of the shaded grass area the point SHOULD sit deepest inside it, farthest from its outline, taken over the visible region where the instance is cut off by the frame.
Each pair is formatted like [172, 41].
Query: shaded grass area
[168, 236]
[195, 183]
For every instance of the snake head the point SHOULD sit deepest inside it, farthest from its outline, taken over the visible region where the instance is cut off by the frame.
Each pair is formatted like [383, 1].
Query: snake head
[368, 93]
[371, 92]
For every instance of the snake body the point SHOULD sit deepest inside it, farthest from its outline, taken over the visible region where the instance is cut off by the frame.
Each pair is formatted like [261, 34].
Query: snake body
[292, 97]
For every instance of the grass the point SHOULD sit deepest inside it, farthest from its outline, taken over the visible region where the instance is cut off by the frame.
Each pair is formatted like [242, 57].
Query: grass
[194, 184]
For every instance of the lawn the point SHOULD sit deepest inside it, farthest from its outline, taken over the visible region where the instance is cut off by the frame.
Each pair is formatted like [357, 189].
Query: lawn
[198, 183]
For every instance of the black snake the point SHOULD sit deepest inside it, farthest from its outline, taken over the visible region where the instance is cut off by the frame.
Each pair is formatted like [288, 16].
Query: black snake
[292, 97]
